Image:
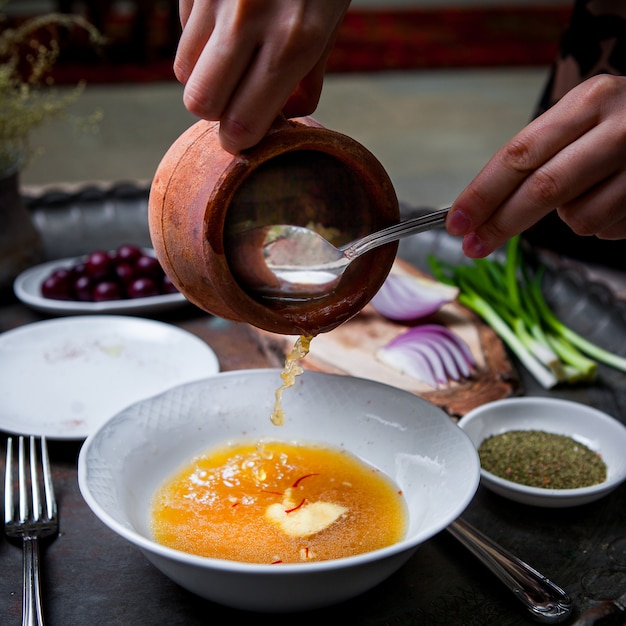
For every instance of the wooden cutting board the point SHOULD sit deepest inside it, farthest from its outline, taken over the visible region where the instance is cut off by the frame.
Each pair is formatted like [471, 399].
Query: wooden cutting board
[351, 349]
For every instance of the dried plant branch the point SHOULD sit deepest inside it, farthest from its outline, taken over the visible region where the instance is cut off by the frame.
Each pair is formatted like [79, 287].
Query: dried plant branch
[28, 53]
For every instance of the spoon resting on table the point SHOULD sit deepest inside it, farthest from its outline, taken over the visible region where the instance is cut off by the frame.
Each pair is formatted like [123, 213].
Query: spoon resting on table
[286, 261]
[545, 601]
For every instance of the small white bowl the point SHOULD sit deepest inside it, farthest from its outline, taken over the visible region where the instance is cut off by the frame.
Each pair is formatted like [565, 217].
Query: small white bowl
[593, 428]
[414, 442]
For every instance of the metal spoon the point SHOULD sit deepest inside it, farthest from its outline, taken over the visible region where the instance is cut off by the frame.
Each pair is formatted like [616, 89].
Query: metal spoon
[282, 260]
[546, 602]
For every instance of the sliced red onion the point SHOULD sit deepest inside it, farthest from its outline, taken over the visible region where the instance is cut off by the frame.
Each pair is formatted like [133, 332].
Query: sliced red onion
[431, 353]
[445, 355]
[465, 361]
[404, 297]
[412, 362]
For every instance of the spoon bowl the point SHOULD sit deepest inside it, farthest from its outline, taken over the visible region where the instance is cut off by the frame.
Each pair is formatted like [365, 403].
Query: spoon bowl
[284, 261]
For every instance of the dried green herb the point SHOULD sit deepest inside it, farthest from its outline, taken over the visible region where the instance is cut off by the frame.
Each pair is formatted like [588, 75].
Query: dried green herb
[539, 459]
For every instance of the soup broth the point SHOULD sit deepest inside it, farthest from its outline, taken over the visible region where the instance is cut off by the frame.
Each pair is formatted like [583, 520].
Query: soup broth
[276, 502]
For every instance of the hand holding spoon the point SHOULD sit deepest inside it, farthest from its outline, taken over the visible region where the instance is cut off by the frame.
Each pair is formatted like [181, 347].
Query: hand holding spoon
[297, 262]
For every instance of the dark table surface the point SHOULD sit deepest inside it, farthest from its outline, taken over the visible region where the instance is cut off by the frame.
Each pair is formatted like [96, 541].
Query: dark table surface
[92, 576]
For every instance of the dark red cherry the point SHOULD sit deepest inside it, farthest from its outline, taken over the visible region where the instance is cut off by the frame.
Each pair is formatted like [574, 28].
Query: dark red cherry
[148, 266]
[142, 287]
[99, 264]
[106, 290]
[58, 286]
[167, 286]
[83, 288]
[128, 253]
[124, 272]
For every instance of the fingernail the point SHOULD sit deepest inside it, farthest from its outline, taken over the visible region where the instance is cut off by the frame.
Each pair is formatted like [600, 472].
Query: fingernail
[473, 247]
[458, 223]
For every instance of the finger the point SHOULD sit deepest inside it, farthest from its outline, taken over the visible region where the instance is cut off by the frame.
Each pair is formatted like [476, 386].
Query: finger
[617, 231]
[601, 211]
[218, 72]
[184, 10]
[275, 80]
[568, 176]
[516, 161]
[198, 27]
[243, 125]
[305, 97]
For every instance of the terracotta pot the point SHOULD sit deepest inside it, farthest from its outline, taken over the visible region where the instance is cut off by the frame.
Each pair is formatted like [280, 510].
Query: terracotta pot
[21, 245]
[300, 173]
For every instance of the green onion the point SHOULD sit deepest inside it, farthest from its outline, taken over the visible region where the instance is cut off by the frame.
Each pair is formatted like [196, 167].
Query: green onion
[507, 295]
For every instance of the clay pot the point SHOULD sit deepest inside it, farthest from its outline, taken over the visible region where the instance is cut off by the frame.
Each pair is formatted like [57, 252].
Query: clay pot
[300, 173]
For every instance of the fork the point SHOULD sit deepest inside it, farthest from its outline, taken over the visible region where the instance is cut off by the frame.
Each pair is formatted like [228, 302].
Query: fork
[30, 519]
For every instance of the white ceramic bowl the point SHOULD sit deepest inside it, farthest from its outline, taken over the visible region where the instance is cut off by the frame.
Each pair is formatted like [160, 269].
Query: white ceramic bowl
[593, 428]
[411, 440]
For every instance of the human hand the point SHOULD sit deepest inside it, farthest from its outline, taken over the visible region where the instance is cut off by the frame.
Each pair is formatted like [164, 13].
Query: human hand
[244, 61]
[572, 157]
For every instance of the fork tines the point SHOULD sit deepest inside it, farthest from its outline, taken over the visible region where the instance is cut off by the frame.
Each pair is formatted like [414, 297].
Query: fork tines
[29, 515]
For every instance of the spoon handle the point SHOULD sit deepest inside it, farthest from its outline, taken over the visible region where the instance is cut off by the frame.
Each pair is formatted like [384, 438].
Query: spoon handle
[395, 232]
[546, 602]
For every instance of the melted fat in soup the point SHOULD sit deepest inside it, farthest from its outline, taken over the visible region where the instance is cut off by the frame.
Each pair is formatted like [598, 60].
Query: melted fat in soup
[275, 502]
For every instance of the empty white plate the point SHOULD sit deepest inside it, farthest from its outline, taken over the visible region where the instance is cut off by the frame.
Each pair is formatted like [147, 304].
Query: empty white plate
[63, 378]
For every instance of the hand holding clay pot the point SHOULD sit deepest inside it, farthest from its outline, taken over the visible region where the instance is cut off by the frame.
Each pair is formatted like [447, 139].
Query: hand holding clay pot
[301, 174]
